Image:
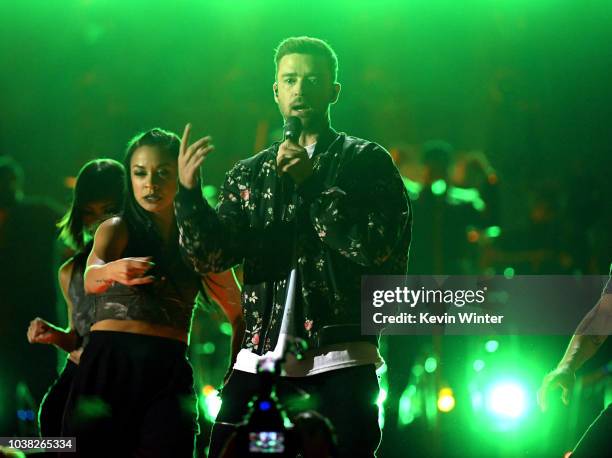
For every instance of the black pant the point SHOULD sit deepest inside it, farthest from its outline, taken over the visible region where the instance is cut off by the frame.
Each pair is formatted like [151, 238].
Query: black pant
[53, 404]
[132, 396]
[347, 397]
[596, 440]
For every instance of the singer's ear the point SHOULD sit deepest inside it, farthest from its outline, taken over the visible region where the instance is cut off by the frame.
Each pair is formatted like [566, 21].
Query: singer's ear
[335, 93]
[275, 90]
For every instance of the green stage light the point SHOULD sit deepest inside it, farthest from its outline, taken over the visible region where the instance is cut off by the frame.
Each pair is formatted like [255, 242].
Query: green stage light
[493, 231]
[431, 364]
[210, 403]
[491, 346]
[509, 272]
[414, 188]
[478, 365]
[207, 348]
[210, 194]
[380, 402]
[417, 370]
[226, 329]
[382, 397]
[507, 400]
[209, 191]
[438, 187]
[406, 410]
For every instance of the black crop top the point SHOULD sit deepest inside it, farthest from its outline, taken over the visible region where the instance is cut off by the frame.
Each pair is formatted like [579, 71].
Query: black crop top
[168, 301]
[82, 304]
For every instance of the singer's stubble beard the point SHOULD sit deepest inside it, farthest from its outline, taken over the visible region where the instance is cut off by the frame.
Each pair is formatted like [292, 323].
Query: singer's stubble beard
[315, 125]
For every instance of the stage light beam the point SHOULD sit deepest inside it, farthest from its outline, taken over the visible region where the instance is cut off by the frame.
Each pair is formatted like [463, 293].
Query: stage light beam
[491, 346]
[446, 400]
[431, 364]
[507, 400]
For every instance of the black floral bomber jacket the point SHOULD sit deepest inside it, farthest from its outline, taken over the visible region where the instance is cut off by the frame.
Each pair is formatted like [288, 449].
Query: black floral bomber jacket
[352, 217]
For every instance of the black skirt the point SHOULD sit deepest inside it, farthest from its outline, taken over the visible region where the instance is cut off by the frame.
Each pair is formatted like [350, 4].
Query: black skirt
[132, 396]
[53, 404]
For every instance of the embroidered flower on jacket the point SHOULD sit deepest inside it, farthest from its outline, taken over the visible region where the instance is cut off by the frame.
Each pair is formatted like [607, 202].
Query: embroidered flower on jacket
[255, 339]
[308, 324]
[267, 167]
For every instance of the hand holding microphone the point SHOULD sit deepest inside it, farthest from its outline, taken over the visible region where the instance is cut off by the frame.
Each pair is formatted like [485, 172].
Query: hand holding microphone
[292, 159]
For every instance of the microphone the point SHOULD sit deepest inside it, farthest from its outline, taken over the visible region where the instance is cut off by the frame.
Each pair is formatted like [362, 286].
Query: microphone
[292, 129]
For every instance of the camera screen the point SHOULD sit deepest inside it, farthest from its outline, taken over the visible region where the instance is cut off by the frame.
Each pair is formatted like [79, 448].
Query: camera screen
[266, 442]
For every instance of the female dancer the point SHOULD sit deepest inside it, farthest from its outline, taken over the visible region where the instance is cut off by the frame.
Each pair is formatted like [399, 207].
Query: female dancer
[133, 393]
[98, 195]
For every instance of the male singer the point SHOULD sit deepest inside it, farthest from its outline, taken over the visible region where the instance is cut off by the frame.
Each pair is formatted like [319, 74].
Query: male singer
[331, 206]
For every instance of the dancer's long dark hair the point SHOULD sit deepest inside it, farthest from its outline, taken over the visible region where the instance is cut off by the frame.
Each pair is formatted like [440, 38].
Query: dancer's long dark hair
[98, 180]
[141, 227]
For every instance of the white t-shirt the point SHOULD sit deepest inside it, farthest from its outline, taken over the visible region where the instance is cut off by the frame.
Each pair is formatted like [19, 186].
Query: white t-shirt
[310, 149]
[315, 361]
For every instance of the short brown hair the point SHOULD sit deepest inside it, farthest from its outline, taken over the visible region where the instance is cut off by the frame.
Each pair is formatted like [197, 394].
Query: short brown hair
[307, 45]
